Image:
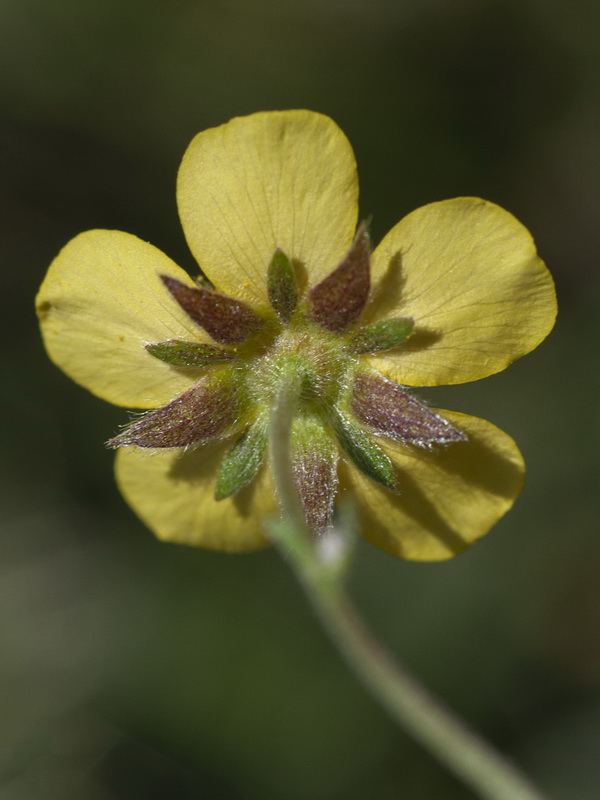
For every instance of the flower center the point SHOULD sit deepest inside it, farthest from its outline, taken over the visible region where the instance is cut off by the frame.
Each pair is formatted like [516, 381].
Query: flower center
[304, 355]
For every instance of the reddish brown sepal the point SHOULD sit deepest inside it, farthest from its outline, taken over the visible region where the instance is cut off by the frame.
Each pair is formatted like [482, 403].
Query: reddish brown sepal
[227, 320]
[386, 408]
[314, 462]
[340, 298]
[204, 412]
[316, 481]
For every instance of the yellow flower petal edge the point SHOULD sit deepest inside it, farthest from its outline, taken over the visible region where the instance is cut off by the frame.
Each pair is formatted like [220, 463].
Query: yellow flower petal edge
[467, 272]
[274, 179]
[172, 491]
[101, 302]
[447, 498]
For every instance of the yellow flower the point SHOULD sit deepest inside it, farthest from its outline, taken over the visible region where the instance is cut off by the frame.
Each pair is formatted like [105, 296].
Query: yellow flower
[455, 292]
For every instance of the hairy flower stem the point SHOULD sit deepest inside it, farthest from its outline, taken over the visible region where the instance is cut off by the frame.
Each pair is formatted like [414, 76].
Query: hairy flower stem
[428, 721]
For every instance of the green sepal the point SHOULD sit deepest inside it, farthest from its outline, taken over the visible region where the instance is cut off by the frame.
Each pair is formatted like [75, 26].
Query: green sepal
[281, 285]
[242, 461]
[383, 335]
[364, 452]
[178, 353]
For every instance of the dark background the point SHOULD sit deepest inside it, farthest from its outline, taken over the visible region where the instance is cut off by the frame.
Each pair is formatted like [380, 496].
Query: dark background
[133, 669]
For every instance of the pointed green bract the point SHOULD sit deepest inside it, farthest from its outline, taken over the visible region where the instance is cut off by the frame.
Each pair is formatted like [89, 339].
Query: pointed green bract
[281, 285]
[383, 335]
[243, 460]
[188, 354]
[368, 456]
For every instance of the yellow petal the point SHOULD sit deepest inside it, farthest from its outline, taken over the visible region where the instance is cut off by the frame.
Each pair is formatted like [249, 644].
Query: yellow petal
[446, 498]
[282, 179]
[101, 302]
[173, 493]
[468, 273]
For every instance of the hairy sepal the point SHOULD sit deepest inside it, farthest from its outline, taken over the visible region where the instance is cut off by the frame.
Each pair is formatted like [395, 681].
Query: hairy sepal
[226, 320]
[386, 408]
[281, 285]
[209, 410]
[364, 452]
[314, 462]
[339, 299]
[243, 460]
[383, 335]
[178, 353]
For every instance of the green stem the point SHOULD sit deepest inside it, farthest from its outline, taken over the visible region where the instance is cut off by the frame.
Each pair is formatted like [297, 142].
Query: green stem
[465, 753]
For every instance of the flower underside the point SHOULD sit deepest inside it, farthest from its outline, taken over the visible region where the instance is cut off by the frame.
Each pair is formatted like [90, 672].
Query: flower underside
[314, 344]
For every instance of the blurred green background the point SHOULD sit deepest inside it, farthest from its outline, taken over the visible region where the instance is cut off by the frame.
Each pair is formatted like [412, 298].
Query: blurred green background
[134, 669]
